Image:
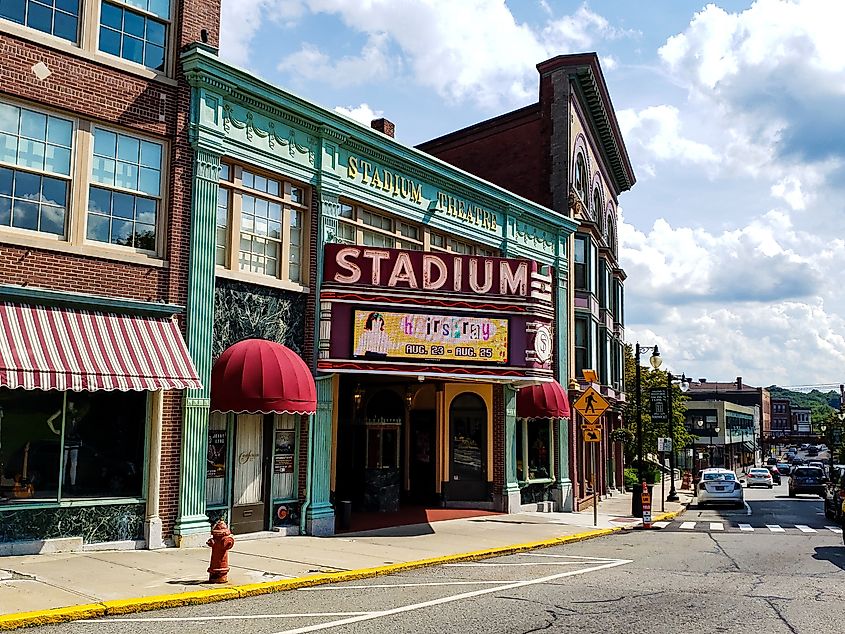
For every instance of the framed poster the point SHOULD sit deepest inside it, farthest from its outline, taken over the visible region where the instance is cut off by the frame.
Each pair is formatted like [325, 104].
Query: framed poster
[283, 448]
[463, 338]
[216, 463]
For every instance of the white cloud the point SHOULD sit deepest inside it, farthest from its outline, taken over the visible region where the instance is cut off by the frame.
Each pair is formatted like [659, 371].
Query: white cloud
[311, 63]
[240, 20]
[362, 113]
[657, 130]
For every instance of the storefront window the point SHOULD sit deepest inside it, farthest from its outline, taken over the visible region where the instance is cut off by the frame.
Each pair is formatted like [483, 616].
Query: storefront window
[91, 444]
[539, 449]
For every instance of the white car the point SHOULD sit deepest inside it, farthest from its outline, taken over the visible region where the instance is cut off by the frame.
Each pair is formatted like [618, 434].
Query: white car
[758, 478]
[719, 486]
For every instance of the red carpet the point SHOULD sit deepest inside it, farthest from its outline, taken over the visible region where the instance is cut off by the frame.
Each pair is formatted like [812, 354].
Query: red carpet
[408, 515]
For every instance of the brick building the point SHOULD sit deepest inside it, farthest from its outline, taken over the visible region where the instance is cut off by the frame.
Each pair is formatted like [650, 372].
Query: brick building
[95, 175]
[566, 152]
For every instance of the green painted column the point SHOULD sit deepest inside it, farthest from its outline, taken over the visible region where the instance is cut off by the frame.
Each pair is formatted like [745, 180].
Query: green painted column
[192, 526]
[563, 484]
[510, 492]
[319, 516]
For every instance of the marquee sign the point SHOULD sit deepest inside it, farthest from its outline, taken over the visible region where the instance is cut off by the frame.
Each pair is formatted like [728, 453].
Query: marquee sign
[380, 335]
[430, 271]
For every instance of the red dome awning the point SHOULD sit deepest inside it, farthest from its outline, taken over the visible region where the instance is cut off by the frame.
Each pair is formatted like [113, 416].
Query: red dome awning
[256, 376]
[546, 400]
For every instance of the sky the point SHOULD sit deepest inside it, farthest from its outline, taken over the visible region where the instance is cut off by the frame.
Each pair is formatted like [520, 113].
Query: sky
[733, 114]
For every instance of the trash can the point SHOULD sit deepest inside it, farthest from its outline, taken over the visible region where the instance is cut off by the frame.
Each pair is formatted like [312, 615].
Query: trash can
[344, 514]
[637, 500]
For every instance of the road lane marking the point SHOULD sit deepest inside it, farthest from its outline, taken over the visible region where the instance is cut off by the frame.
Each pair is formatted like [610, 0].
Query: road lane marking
[717, 526]
[407, 585]
[226, 617]
[746, 527]
[747, 508]
[775, 528]
[688, 525]
[805, 529]
[834, 529]
[481, 564]
[452, 599]
[661, 524]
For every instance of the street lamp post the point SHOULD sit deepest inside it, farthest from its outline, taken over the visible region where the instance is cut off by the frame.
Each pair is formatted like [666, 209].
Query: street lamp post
[684, 385]
[655, 362]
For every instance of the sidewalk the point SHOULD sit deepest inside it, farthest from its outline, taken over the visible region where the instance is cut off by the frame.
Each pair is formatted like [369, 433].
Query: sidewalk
[127, 581]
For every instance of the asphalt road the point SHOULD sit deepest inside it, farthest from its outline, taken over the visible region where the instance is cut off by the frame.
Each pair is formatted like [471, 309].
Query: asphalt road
[698, 580]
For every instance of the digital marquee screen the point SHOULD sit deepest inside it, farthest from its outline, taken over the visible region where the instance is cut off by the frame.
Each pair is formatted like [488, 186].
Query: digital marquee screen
[384, 335]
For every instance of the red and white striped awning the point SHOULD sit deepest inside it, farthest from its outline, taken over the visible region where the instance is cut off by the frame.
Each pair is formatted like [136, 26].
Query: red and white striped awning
[44, 348]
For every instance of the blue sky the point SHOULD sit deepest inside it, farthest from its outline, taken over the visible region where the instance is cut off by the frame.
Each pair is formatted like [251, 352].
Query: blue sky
[732, 113]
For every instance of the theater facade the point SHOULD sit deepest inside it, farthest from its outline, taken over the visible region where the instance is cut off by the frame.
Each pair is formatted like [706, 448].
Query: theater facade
[428, 307]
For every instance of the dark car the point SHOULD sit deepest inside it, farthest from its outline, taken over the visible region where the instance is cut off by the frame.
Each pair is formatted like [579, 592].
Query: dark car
[812, 452]
[835, 494]
[797, 461]
[783, 468]
[771, 461]
[807, 480]
[773, 469]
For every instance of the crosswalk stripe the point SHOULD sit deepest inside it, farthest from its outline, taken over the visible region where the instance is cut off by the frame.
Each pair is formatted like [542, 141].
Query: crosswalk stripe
[746, 527]
[835, 529]
[805, 529]
[775, 528]
[717, 526]
[688, 525]
[661, 524]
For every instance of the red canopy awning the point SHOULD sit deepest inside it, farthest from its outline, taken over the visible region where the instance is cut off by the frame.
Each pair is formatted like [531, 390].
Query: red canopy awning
[47, 348]
[256, 376]
[546, 400]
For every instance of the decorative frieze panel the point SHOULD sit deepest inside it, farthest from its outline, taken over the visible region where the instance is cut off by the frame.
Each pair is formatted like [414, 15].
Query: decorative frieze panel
[257, 127]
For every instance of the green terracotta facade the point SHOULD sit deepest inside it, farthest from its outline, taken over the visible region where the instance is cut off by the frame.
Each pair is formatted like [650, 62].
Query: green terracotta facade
[244, 119]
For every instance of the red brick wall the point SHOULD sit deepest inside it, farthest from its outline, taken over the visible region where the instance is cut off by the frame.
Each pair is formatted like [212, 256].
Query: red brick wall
[100, 93]
[498, 438]
[509, 154]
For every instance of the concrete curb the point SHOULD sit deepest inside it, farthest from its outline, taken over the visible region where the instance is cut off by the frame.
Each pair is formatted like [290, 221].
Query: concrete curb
[198, 597]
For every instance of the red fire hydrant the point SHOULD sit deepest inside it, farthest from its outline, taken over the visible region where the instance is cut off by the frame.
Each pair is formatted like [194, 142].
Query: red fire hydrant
[221, 541]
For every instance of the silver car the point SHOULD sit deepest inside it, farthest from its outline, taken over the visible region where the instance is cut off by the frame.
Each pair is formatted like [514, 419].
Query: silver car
[719, 486]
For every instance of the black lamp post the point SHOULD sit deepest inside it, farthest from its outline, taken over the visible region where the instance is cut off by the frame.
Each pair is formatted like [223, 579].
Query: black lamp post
[655, 362]
[684, 383]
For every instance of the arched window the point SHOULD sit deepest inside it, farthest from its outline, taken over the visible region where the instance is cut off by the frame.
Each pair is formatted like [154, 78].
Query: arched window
[611, 235]
[581, 177]
[597, 206]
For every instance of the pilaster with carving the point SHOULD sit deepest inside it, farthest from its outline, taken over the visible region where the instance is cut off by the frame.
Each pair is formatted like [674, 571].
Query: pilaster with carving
[563, 484]
[319, 517]
[510, 490]
[192, 523]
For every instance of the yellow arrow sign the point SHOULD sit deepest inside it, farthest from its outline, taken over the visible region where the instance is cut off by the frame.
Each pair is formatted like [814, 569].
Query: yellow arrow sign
[592, 435]
[591, 405]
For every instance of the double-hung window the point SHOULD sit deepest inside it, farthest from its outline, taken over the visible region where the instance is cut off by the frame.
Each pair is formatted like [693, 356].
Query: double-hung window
[125, 192]
[135, 30]
[56, 17]
[259, 226]
[35, 168]
[582, 263]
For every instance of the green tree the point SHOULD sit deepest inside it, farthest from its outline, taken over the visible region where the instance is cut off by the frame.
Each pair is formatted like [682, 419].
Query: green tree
[652, 430]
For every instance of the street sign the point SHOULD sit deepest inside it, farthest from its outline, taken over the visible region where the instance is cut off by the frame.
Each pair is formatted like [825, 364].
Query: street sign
[659, 397]
[591, 405]
[592, 435]
[664, 445]
[646, 505]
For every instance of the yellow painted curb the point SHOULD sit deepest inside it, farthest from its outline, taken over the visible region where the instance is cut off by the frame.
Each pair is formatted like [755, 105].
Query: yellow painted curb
[198, 597]
[49, 617]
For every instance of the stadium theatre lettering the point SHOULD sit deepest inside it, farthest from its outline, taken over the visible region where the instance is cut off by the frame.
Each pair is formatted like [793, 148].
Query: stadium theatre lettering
[451, 273]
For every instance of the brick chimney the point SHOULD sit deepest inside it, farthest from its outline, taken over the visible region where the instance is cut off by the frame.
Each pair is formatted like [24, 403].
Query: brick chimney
[739, 383]
[384, 126]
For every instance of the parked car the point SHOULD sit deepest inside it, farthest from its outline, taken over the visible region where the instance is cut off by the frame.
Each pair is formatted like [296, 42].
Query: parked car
[835, 494]
[807, 480]
[784, 468]
[757, 477]
[804, 446]
[719, 486]
[773, 469]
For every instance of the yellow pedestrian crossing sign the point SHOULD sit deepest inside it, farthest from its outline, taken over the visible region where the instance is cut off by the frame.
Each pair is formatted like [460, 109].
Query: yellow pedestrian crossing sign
[591, 405]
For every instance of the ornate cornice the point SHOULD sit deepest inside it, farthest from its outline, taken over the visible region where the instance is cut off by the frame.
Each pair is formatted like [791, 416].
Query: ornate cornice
[272, 136]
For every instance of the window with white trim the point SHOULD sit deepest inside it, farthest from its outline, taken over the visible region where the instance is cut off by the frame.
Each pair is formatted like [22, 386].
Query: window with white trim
[137, 31]
[70, 181]
[534, 450]
[269, 213]
[35, 155]
[125, 193]
[362, 226]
